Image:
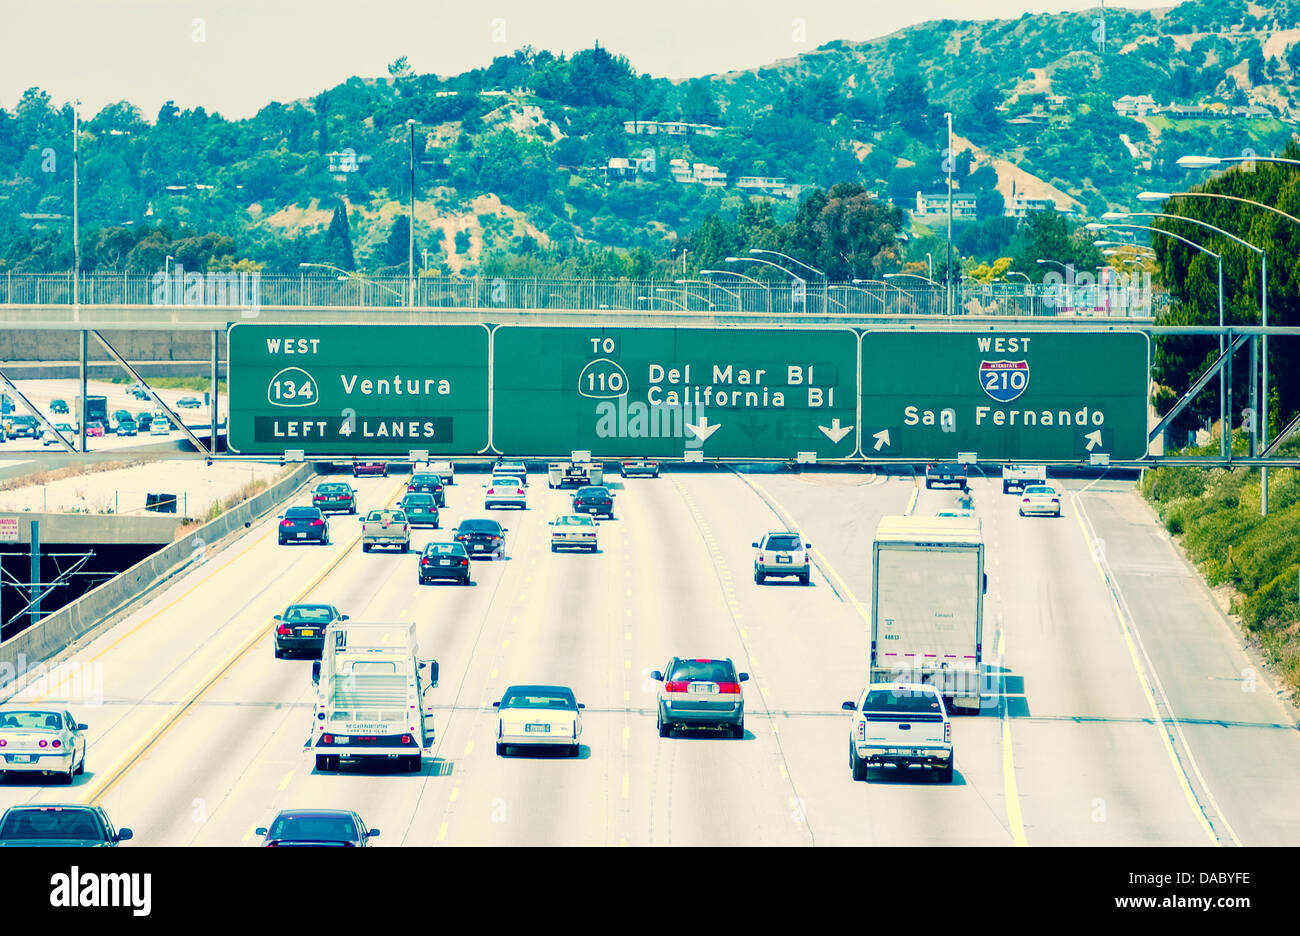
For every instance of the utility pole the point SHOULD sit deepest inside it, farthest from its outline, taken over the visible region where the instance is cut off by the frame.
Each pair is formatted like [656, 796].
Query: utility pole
[410, 257]
[948, 274]
[76, 234]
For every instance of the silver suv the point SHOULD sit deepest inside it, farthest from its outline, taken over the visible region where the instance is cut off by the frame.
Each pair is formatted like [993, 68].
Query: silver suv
[783, 553]
[700, 694]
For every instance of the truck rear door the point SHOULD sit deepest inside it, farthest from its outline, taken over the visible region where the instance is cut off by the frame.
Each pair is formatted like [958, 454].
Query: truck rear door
[927, 606]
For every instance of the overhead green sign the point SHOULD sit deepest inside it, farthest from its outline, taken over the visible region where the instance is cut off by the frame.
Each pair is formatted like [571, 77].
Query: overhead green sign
[358, 389]
[1004, 395]
[724, 392]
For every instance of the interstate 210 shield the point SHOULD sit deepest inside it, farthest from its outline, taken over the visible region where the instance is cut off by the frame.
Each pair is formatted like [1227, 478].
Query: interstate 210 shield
[1004, 380]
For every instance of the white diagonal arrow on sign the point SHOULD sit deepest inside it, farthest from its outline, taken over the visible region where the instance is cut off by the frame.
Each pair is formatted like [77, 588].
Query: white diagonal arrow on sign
[1094, 439]
[836, 432]
[704, 430]
[882, 439]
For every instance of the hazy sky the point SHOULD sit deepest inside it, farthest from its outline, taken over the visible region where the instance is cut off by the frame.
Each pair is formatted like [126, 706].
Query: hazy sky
[234, 56]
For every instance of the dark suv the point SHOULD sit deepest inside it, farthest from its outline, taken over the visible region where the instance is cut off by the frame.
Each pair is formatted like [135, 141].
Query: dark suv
[701, 694]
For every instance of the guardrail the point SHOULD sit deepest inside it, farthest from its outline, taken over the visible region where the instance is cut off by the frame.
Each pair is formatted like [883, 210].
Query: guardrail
[1122, 299]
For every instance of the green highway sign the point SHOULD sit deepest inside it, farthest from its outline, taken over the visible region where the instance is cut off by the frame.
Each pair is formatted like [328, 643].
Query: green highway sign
[358, 389]
[1004, 395]
[724, 392]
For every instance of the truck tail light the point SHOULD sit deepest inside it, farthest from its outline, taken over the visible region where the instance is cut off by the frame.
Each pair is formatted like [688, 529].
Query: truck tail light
[947, 732]
[761, 558]
[805, 558]
[862, 731]
[519, 491]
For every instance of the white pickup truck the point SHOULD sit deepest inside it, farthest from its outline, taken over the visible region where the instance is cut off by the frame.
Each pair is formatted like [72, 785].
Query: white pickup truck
[1019, 477]
[385, 528]
[900, 725]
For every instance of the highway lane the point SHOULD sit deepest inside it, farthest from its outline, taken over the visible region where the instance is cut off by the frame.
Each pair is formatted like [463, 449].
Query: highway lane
[673, 576]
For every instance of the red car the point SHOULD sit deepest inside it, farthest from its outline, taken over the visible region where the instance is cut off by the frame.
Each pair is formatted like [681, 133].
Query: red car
[370, 468]
[94, 429]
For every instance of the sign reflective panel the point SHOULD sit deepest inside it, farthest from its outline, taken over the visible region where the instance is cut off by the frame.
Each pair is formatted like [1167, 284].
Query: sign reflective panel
[1040, 396]
[667, 392]
[358, 389]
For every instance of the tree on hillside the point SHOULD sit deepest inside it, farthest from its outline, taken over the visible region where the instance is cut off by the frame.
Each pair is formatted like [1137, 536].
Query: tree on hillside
[907, 102]
[401, 68]
[844, 232]
[397, 247]
[338, 241]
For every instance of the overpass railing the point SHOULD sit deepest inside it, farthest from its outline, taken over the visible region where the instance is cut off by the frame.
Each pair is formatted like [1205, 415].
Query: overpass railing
[1127, 299]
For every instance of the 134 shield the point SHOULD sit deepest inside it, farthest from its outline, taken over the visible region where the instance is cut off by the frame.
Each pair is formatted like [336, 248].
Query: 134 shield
[1004, 380]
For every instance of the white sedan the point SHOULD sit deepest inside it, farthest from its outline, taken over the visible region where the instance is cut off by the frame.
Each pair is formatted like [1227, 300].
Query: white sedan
[1040, 499]
[573, 531]
[539, 716]
[505, 491]
[42, 741]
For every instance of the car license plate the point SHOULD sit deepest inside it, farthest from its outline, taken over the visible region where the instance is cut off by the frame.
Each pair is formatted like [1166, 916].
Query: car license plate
[307, 632]
[20, 758]
[479, 547]
[703, 687]
[302, 536]
[444, 562]
[535, 729]
[782, 558]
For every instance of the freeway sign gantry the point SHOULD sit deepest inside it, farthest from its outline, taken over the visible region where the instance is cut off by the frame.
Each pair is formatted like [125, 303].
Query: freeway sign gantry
[360, 389]
[1003, 395]
[723, 392]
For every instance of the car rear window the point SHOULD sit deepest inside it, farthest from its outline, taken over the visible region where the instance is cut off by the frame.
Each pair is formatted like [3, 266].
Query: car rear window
[1039, 489]
[36, 823]
[506, 481]
[703, 671]
[332, 489]
[30, 720]
[595, 492]
[444, 549]
[575, 520]
[418, 500]
[301, 513]
[394, 516]
[314, 829]
[537, 698]
[783, 541]
[426, 479]
[316, 614]
[480, 526]
[901, 700]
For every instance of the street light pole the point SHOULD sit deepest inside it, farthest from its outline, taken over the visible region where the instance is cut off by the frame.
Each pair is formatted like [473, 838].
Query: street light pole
[410, 257]
[951, 159]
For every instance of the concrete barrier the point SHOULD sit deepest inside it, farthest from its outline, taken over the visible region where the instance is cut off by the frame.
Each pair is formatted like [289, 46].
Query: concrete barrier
[59, 633]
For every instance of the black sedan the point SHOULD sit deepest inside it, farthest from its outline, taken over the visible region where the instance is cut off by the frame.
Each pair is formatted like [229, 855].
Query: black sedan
[301, 628]
[596, 500]
[421, 510]
[482, 537]
[126, 427]
[144, 421]
[339, 828]
[334, 496]
[53, 826]
[444, 561]
[304, 525]
[428, 484]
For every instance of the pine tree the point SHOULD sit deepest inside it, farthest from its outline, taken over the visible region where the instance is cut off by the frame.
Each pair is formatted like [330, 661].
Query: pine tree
[338, 241]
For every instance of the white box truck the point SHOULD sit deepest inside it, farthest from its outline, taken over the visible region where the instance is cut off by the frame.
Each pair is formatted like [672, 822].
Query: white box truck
[370, 701]
[927, 605]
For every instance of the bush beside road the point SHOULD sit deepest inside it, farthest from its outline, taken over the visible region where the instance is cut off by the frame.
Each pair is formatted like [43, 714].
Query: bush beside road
[1214, 513]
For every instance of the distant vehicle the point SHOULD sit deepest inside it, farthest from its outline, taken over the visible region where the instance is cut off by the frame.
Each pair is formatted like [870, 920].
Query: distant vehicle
[578, 471]
[1040, 499]
[421, 509]
[385, 528]
[340, 828]
[360, 468]
[160, 424]
[304, 525]
[505, 491]
[144, 421]
[948, 473]
[59, 826]
[24, 427]
[700, 694]
[140, 393]
[428, 483]
[300, 628]
[900, 725]
[482, 537]
[189, 402]
[927, 605]
[443, 469]
[119, 415]
[782, 554]
[573, 531]
[334, 497]
[513, 469]
[1018, 477]
[370, 702]
[639, 466]
[539, 716]
[94, 429]
[126, 427]
[444, 561]
[961, 512]
[59, 406]
[48, 741]
[596, 500]
[48, 438]
[96, 410]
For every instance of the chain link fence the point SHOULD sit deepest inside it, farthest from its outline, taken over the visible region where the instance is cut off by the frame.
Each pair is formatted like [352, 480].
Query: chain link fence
[900, 297]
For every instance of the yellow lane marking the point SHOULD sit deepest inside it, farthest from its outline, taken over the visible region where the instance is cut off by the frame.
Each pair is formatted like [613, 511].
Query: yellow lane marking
[252, 830]
[505, 644]
[469, 747]
[455, 792]
[285, 782]
[493, 674]
[1183, 780]
[625, 783]
[1009, 784]
[442, 831]
[93, 795]
[627, 734]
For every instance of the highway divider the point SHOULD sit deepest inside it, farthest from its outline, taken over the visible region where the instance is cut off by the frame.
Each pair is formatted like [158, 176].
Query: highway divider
[59, 633]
